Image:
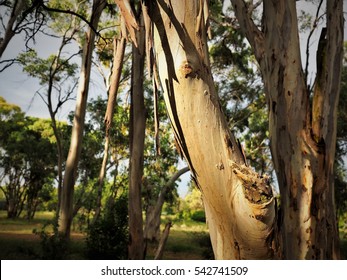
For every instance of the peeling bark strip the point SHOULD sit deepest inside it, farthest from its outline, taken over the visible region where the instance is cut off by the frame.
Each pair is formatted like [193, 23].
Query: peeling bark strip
[302, 133]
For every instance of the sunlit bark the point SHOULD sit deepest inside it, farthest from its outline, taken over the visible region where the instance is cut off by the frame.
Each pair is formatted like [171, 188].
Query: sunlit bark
[70, 175]
[302, 133]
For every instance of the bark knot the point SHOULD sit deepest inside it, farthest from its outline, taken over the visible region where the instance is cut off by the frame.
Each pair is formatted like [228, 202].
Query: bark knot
[256, 187]
[187, 70]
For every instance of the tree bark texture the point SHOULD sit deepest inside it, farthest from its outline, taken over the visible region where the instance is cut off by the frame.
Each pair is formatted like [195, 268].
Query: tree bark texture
[136, 249]
[239, 205]
[302, 132]
[70, 175]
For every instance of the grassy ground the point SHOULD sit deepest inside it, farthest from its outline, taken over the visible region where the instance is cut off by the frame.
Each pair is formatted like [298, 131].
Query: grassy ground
[187, 240]
[17, 241]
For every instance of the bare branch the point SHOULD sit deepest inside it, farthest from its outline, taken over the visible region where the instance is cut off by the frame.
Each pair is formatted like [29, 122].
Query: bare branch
[9, 62]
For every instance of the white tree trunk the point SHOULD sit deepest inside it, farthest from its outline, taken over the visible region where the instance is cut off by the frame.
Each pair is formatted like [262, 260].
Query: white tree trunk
[239, 204]
[70, 175]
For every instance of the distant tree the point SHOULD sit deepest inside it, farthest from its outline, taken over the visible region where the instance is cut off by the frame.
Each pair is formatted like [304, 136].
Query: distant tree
[57, 77]
[25, 170]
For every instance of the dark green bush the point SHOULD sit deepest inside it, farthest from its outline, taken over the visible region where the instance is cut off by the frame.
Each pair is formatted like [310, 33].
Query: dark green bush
[107, 238]
[198, 216]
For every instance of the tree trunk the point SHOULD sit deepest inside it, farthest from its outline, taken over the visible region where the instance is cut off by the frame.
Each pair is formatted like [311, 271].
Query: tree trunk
[160, 251]
[65, 216]
[302, 133]
[239, 205]
[137, 138]
[118, 54]
[152, 228]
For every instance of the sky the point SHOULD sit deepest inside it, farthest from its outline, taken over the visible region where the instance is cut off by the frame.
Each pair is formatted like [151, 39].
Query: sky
[16, 87]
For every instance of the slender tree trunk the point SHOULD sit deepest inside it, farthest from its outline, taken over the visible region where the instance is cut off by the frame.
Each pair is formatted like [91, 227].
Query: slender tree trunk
[238, 201]
[160, 251]
[118, 54]
[65, 216]
[137, 137]
[152, 228]
[302, 132]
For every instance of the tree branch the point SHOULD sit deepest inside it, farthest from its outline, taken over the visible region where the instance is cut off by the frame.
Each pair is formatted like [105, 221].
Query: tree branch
[253, 34]
[55, 10]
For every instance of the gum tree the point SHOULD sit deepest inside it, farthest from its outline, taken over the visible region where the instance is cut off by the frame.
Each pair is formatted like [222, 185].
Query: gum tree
[241, 211]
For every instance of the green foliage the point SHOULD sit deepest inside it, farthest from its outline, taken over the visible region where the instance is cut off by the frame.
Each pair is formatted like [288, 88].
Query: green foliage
[53, 68]
[192, 207]
[25, 170]
[53, 245]
[198, 216]
[107, 238]
[240, 87]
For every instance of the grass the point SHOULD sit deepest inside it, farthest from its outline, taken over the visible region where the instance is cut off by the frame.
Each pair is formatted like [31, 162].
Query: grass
[17, 240]
[187, 240]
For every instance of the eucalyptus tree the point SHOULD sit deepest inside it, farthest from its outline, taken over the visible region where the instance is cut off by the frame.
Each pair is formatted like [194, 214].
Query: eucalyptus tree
[56, 76]
[241, 210]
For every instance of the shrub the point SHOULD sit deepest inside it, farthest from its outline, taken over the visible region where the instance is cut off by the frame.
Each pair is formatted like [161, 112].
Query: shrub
[198, 216]
[53, 245]
[107, 238]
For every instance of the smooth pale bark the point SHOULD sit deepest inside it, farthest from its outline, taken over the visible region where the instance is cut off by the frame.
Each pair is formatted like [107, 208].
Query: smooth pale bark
[152, 227]
[302, 134]
[136, 249]
[118, 54]
[239, 205]
[70, 175]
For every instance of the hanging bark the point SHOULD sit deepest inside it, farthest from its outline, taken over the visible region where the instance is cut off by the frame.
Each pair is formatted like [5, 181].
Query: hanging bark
[66, 210]
[137, 139]
[118, 54]
[302, 134]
